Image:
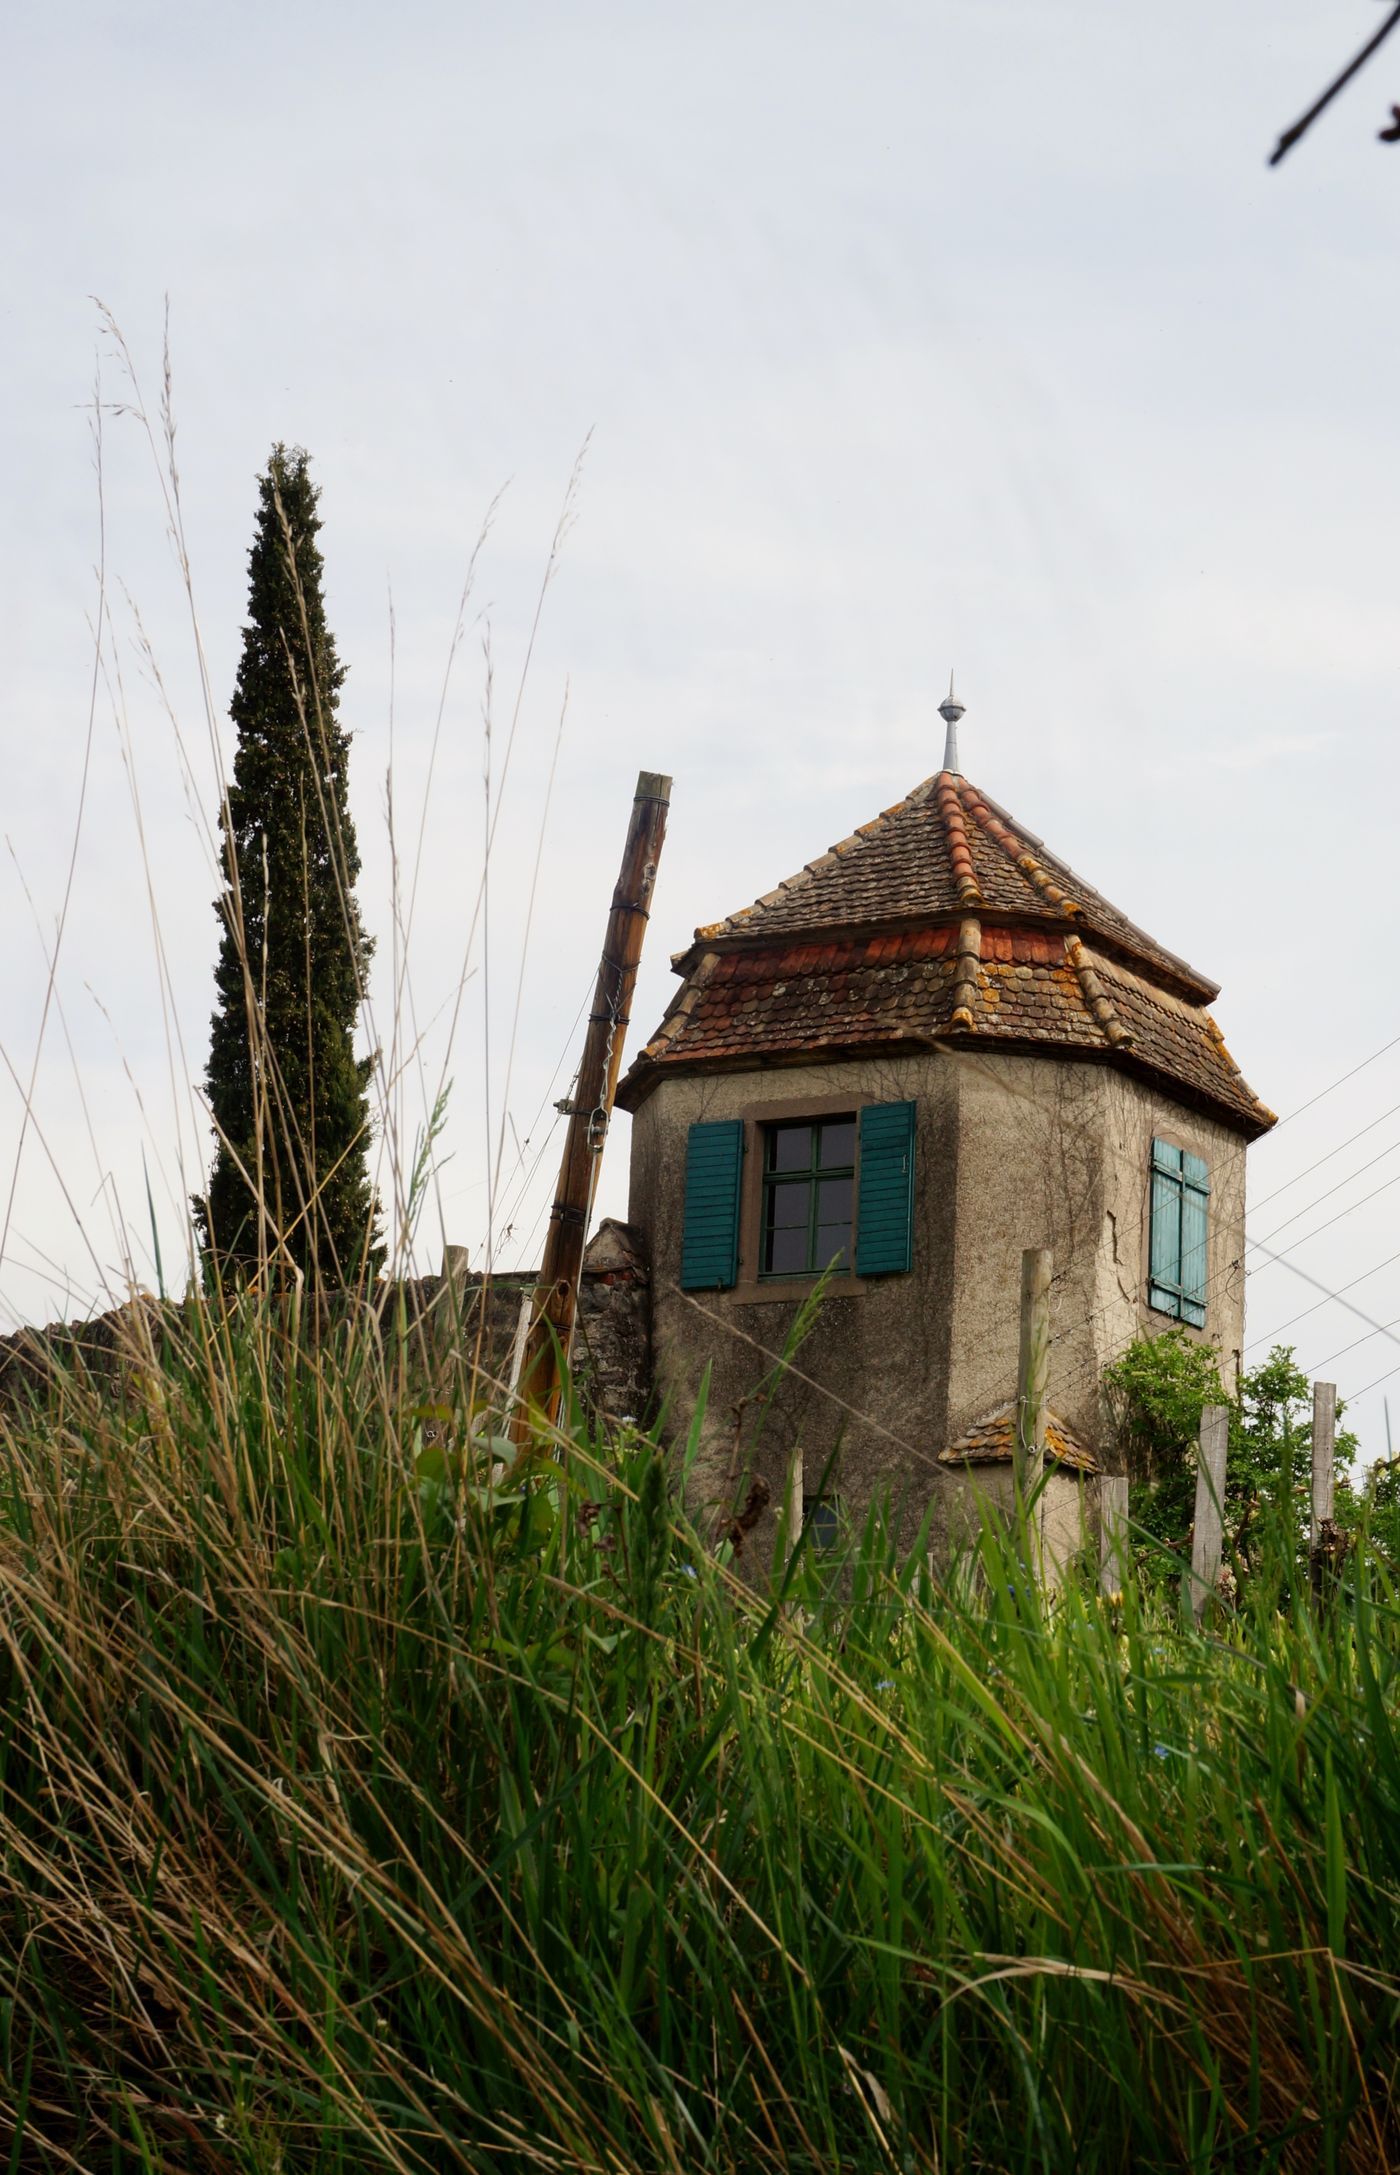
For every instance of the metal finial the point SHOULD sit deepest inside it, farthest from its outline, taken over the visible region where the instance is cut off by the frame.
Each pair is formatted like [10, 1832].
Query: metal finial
[950, 710]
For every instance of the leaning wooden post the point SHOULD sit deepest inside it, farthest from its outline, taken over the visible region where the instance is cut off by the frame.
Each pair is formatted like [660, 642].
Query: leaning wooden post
[1113, 1532]
[1032, 1382]
[551, 1329]
[1211, 1449]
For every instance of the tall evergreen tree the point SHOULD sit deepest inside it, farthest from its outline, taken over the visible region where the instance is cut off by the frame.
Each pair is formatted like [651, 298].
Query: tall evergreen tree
[290, 1183]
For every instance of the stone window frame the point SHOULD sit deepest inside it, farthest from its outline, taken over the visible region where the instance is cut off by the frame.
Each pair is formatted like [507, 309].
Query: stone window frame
[751, 1287]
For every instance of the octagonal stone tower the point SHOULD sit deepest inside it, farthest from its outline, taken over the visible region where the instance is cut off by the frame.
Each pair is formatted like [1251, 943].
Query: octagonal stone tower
[931, 1048]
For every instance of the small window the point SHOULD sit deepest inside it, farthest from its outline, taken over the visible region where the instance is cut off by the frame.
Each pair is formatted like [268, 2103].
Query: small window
[825, 1190]
[821, 1515]
[1180, 1228]
[809, 1177]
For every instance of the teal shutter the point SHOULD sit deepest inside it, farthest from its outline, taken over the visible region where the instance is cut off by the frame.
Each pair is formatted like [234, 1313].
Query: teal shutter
[1180, 1229]
[885, 1190]
[1164, 1244]
[714, 1160]
[1195, 1225]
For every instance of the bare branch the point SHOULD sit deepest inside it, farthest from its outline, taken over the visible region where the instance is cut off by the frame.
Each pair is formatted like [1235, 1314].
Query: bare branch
[1300, 127]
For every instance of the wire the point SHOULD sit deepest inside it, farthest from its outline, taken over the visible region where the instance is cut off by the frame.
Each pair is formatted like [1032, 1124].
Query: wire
[1377, 1328]
[1309, 1168]
[1269, 1335]
[1369, 1386]
[1319, 1198]
[1261, 1245]
[1333, 1085]
[1381, 1328]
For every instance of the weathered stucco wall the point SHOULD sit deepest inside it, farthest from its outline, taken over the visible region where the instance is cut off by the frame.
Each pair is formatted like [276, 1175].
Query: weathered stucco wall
[1134, 1114]
[881, 1346]
[1058, 1154]
[1011, 1152]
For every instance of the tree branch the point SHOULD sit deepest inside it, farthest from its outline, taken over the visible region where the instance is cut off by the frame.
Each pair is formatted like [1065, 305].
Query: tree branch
[1300, 127]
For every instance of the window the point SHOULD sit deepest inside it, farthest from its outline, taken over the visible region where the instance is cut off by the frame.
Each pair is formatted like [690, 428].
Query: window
[788, 1192]
[1180, 1224]
[809, 1184]
[821, 1515]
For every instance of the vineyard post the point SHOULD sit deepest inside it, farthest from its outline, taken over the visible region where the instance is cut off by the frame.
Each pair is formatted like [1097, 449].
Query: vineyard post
[1032, 1383]
[1324, 1451]
[1211, 1448]
[1326, 1545]
[1113, 1532]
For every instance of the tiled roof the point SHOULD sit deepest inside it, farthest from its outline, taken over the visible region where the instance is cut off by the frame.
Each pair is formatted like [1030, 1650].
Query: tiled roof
[988, 943]
[992, 1441]
[946, 848]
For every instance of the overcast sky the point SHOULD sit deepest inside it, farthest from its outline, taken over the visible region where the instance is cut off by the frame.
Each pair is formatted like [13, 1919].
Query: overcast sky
[906, 336]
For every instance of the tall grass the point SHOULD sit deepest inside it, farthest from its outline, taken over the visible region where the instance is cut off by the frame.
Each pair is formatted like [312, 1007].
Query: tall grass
[366, 1805]
[359, 1810]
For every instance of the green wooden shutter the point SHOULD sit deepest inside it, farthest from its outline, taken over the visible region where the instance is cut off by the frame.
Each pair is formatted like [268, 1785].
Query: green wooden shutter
[714, 1160]
[1195, 1230]
[1164, 1245]
[885, 1190]
[1178, 1246]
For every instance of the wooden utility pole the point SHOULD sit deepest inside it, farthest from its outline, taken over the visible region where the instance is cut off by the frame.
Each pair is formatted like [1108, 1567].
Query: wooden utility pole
[1032, 1382]
[552, 1326]
[1212, 1445]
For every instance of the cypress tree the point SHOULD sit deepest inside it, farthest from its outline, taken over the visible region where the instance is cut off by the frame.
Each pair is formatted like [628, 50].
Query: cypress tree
[290, 1182]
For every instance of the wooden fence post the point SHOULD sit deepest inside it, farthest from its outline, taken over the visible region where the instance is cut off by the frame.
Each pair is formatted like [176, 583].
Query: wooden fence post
[1326, 1545]
[1113, 1532]
[1324, 1451]
[1212, 1445]
[1033, 1374]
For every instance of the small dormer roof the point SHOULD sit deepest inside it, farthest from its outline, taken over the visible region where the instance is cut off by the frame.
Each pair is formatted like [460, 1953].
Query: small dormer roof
[992, 1441]
[943, 920]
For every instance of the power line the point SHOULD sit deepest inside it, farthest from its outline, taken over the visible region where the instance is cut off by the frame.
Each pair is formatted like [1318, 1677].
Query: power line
[1369, 1386]
[1381, 1328]
[1309, 1168]
[1332, 1085]
[1366, 1274]
[1319, 1198]
[1378, 1328]
[1260, 1245]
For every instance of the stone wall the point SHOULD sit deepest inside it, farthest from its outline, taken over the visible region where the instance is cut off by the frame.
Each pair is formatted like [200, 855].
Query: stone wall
[448, 1320]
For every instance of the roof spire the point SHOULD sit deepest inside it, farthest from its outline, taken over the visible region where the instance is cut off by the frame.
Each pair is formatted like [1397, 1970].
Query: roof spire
[950, 710]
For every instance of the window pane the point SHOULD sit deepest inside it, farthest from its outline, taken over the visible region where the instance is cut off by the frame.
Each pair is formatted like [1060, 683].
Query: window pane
[833, 1246]
[838, 1145]
[834, 1201]
[790, 1148]
[790, 1205]
[823, 1515]
[786, 1252]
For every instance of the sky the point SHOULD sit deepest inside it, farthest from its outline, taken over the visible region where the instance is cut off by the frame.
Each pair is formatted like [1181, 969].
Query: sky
[850, 344]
